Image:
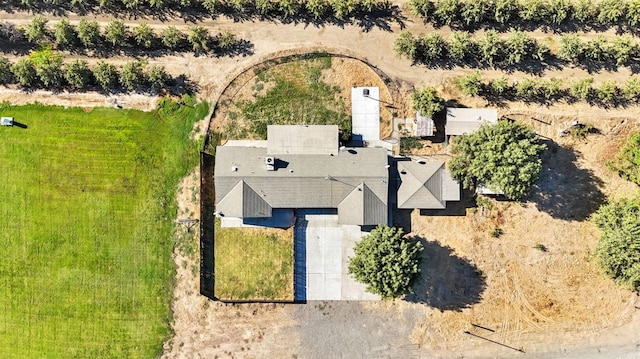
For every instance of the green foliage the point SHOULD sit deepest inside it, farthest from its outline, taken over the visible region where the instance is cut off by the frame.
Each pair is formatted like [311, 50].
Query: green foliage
[505, 10]
[36, 30]
[405, 45]
[460, 46]
[410, 143]
[550, 89]
[317, 8]
[95, 207]
[627, 162]
[558, 11]
[446, 11]
[470, 84]
[116, 33]
[424, 8]
[499, 86]
[387, 262]
[610, 11]
[584, 11]
[633, 12]
[624, 49]
[581, 89]
[106, 75]
[598, 49]
[6, 76]
[474, 12]
[132, 76]
[48, 65]
[198, 37]
[571, 47]
[64, 33]
[631, 89]
[505, 157]
[24, 72]
[540, 247]
[491, 47]
[533, 10]
[427, 101]
[518, 46]
[618, 250]
[172, 37]
[497, 232]
[607, 91]
[342, 9]
[77, 74]
[88, 33]
[431, 46]
[226, 40]
[157, 77]
[527, 88]
[144, 35]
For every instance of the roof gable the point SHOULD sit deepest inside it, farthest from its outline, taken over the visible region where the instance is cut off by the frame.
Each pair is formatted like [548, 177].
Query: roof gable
[362, 207]
[243, 201]
[422, 185]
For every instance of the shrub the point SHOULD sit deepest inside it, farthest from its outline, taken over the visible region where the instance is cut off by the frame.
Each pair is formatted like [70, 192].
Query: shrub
[198, 37]
[446, 11]
[505, 10]
[65, 34]
[491, 47]
[172, 38]
[571, 47]
[610, 12]
[157, 77]
[470, 84]
[24, 72]
[598, 49]
[36, 30]
[627, 163]
[387, 262]
[607, 91]
[48, 65]
[423, 8]
[405, 45]
[632, 89]
[460, 46]
[581, 89]
[474, 12]
[618, 252]
[144, 35]
[77, 74]
[431, 46]
[427, 101]
[499, 86]
[88, 33]
[106, 75]
[132, 76]
[116, 33]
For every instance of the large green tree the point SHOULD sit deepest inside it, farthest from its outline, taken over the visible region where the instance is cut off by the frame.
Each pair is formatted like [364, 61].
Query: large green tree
[387, 262]
[618, 250]
[427, 101]
[627, 163]
[504, 157]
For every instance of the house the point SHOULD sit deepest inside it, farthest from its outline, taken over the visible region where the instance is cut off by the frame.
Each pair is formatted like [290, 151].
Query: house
[462, 121]
[6, 121]
[425, 185]
[301, 167]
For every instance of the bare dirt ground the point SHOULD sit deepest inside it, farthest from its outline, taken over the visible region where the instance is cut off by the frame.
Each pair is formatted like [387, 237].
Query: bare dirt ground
[549, 304]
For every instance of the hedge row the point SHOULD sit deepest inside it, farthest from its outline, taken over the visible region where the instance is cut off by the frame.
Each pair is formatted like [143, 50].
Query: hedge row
[516, 49]
[284, 9]
[116, 35]
[536, 90]
[532, 13]
[46, 69]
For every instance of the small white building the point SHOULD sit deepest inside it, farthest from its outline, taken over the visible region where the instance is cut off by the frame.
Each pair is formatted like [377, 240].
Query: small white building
[365, 113]
[6, 121]
[462, 121]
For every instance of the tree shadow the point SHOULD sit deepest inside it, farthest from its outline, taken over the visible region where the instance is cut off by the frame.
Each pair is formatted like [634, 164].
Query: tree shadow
[564, 190]
[447, 281]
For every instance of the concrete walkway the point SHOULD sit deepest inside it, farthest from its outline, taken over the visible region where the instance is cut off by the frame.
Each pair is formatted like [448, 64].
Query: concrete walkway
[327, 248]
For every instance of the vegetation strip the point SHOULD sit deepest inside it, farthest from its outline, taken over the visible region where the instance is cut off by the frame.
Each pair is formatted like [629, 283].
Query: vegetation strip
[517, 50]
[509, 14]
[88, 215]
[117, 36]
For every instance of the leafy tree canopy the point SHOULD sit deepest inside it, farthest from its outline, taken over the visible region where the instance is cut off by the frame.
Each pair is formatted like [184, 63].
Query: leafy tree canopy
[627, 162]
[387, 262]
[427, 101]
[618, 250]
[504, 156]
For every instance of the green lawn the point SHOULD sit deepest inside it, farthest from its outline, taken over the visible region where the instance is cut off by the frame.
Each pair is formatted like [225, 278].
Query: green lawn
[86, 219]
[288, 94]
[253, 263]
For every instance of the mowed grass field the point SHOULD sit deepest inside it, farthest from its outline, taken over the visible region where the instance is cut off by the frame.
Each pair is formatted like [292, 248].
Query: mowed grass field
[253, 263]
[87, 211]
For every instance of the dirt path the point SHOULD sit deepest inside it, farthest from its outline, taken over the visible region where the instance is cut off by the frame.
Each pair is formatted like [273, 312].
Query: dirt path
[512, 303]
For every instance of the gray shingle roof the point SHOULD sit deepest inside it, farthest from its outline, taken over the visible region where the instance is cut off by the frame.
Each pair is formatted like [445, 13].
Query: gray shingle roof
[426, 185]
[302, 139]
[467, 120]
[304, 181]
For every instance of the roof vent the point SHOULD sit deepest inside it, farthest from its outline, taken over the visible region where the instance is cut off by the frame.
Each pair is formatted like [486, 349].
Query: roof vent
[234, 168]
[365, 92]
[270, 163]
[478, 118]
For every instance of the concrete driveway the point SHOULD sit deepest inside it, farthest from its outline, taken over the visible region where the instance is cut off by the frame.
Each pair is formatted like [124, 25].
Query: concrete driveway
[325, 247]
